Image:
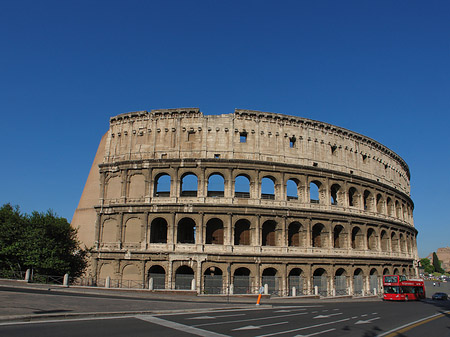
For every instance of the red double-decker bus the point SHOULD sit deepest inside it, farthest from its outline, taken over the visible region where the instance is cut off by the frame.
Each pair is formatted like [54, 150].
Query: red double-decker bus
[398, 288]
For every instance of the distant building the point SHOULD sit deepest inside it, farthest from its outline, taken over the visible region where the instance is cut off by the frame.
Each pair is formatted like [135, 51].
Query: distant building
[443, 255]
[178, 200]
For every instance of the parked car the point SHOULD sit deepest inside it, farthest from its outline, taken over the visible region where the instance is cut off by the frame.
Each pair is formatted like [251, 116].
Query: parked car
[439, 296]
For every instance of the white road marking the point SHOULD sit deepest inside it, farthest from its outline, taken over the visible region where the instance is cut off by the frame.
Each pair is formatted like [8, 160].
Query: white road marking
[250, 319]
[214, 317]
[65, 320]
[253, 327]
[287, 310]
[326, 316]
[178, 326]
[305, 327]
[364, 315]
[316, 333]
[367, 321]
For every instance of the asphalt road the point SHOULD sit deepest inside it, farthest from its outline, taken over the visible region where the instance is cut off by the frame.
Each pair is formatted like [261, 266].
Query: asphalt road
[375, 318]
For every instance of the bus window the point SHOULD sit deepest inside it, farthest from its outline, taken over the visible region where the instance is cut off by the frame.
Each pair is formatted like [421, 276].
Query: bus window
[391, 289]
[403, 278]
[391, 279]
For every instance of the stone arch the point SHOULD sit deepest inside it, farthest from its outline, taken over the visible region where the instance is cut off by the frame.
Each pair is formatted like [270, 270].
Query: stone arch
[386, 271]
[357, 238]
[353, 197]
[340, 282]
[320, 280]
[184, 276]
[318, 236]
[106, 269]
[402, 243]
[296, 279]
[390, 206]
[163, 183]
[216, 185]
[158, 230]
[368, 201]
[268, 187]
[373, 281]
[292, 189]
[379, 203]
[186, 231]
[339, 237]
[394, 242]
[158, 276]
[114, 187]
[213, 280]
[131, 277]
[136, 187]
[242, 232]
[269, 233]
[214, 231]
[109, 231]
[384, 241]
[295, 237]
[335, 194]
[189, 185]
[314, 191]
[242, 281]
[242, 186]
[358, 282]
[132, 230]
[396, 271]
[269, 277]
[398, 210]
[371, 239]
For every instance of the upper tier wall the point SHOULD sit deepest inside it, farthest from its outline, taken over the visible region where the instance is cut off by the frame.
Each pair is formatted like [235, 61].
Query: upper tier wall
[252, 135]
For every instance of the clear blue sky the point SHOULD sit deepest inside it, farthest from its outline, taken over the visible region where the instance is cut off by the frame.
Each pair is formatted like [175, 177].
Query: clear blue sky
[380, 68]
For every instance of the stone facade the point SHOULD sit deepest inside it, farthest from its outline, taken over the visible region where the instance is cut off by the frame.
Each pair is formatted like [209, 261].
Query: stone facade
[230, 203]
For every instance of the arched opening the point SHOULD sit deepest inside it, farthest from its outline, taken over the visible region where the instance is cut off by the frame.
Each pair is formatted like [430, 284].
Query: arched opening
[269, 277]
[184, 277]
[162, 185]
[294, 235]
[158, 231]
[320, 281]
[292, 189]
[357, 238]
[214, 232]
[295, 279]
[358, 282]
[396, 271]
[368, 201]
[269, 233]
[186, 231]
[157, 274]
[379, 203]
[242, 232]
[105, 271]
[390, 206]
[189, 185]
[338, 237]
[241, 281]
[386, 271]
[402, 243]
[398, 210]
[314, 195]
[216, 186]
[268, 188]
[384, 240]
[317, 236]
[353, 197]
[212, 281]
[334, 190]
[394, 242]
[373, 281]
[371, 239]
[242, 187]
[340, 282]
[109, 231]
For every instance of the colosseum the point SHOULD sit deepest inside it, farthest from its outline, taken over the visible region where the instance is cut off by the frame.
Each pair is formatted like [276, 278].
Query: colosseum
[244, 202]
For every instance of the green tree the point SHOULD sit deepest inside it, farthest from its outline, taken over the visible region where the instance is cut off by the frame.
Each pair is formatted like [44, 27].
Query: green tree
[42, 241]
[427, 266]
[437, 264]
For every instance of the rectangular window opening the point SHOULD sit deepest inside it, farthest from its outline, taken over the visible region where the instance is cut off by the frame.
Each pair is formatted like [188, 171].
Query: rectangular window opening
[243, 137]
